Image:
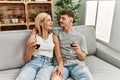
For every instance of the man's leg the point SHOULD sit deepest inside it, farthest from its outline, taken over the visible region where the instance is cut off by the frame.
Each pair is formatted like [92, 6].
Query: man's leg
[66, 73]
[80, 72]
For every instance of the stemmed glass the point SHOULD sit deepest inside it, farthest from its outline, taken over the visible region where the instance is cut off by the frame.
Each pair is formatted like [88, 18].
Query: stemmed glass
[37, 46]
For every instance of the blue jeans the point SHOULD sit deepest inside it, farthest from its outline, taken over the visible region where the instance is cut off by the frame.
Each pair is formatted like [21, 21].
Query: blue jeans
[39, 68]
[77, 72]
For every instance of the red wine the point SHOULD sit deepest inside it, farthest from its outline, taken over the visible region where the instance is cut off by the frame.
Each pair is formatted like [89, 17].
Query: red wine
[37, 46]
[72, 45]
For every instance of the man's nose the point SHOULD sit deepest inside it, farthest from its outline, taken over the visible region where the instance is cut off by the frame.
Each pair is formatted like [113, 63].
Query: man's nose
[60, 20]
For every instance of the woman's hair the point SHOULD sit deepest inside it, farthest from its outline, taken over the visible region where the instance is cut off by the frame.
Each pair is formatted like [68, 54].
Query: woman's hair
[39, 22]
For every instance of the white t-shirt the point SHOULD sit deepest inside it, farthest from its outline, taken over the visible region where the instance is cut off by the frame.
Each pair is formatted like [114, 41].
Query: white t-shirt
[46, 46]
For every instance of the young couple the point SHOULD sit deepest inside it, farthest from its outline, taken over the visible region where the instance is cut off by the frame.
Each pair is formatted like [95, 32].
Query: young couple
[68, 46]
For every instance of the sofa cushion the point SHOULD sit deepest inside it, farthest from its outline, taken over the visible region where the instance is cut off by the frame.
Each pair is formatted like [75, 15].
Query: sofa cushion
[12, 45]
[99, 69]
[102, 70]
[88, 32]
[9, 74]
[108, 54]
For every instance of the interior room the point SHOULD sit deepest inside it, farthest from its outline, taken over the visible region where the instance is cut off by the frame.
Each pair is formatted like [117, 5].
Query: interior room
[97, 20]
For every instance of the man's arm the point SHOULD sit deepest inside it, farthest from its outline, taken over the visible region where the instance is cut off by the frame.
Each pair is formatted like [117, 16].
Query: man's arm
[80, 53]
[81, 49]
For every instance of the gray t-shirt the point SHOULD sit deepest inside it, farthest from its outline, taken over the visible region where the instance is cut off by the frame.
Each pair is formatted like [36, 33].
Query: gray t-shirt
[68, 54]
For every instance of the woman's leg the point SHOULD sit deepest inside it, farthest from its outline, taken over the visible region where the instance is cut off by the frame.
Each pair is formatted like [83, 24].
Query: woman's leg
[27, 73]
[46, 69]
[54, 76]
[44, 73]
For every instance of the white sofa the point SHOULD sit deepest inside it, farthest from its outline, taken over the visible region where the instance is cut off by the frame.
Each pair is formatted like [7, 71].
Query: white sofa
[102, 61]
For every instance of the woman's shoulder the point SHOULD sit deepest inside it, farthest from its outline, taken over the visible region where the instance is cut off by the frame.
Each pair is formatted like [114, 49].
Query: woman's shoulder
[55, 38]
[54, 35]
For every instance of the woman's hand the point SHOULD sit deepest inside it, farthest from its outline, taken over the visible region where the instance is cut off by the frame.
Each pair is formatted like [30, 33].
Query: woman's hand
[33, 46]
[60, 71]
[29, 51]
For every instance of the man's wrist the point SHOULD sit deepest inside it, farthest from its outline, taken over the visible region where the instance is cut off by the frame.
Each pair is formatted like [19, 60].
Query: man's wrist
[79, 51]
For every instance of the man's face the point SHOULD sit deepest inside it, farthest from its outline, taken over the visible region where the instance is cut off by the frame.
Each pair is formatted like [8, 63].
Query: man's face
[64, 21]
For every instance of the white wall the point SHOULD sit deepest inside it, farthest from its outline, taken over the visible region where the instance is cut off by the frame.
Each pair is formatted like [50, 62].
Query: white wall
[115, 35]
[82, 12]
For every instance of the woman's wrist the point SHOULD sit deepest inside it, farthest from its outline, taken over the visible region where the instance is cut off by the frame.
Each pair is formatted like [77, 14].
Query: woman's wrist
[60, 65]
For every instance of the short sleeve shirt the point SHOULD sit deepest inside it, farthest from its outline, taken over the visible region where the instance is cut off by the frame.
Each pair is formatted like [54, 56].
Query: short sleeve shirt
[68, 54]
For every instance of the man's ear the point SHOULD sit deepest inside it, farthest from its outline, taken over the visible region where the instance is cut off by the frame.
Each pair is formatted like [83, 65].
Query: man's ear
[71, 19]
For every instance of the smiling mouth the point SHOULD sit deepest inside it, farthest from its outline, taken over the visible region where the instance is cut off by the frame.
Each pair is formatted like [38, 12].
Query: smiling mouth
[50, 25]
[61, 23]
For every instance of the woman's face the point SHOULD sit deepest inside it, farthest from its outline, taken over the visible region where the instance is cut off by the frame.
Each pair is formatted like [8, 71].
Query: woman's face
[47, 23]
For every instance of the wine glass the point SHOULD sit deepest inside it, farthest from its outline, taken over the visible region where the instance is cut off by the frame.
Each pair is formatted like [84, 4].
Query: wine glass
[37, 46]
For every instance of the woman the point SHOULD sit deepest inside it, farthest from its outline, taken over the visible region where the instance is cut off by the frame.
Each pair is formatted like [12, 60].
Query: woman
[39, 62]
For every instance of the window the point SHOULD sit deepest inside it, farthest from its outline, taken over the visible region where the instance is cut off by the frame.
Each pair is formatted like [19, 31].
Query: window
[91, 8]
[104, 16]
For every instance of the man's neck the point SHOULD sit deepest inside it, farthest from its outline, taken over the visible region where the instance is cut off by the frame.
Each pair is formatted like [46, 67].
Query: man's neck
[68, 29]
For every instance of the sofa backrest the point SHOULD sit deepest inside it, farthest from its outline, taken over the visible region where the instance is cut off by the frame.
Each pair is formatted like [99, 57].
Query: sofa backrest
[89, 33]
[12, 46]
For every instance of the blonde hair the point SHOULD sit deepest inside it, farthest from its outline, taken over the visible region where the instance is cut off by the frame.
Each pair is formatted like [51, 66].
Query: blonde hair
[39, 22]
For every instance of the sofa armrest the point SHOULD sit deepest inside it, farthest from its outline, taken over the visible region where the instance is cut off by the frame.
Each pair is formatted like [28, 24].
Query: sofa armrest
[108, 54]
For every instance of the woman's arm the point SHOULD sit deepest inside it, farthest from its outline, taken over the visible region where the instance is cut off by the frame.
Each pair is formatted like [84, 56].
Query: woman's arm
[58, 55]
[29, 52]
[29, 45]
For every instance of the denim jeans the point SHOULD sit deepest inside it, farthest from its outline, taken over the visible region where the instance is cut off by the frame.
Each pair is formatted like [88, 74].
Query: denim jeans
[39, 68]
[77, 72]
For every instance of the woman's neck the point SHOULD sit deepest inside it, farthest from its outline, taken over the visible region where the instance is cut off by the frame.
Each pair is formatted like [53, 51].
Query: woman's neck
[44, 34]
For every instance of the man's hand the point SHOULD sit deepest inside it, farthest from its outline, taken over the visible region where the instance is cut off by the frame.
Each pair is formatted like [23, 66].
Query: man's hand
[75, 47]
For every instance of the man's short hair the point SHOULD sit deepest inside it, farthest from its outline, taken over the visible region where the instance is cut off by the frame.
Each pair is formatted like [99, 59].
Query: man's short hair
[67, 12]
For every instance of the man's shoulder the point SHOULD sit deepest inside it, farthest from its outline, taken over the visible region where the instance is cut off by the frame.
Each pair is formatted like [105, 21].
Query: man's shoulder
[57, 30]
[78, 33]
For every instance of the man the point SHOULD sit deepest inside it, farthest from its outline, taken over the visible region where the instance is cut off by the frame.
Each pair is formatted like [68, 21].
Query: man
[73, 48]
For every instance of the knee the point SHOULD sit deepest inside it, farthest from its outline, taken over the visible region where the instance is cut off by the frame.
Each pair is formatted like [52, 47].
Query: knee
[55, 77]
[90, 77]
